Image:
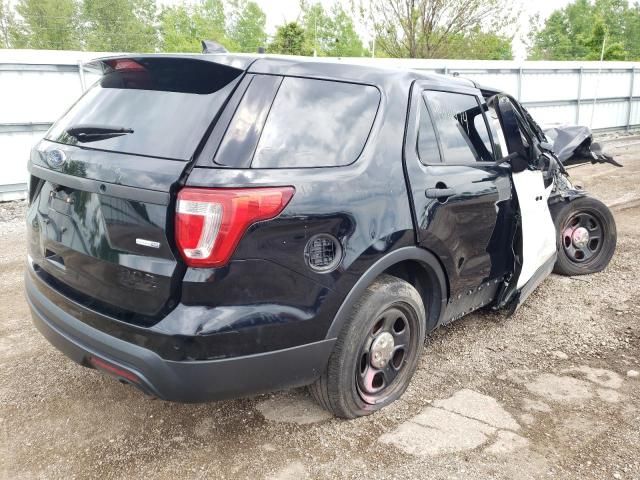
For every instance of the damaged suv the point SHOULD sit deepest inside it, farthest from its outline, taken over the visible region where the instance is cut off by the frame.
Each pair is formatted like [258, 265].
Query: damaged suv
[211, 226]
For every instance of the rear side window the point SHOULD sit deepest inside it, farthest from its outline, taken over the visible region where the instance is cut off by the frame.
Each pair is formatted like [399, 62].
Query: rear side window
[316, 123]
[165, 105]
[462, 138]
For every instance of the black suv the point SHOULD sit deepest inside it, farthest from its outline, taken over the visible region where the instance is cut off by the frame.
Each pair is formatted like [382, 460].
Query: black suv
[210, 226]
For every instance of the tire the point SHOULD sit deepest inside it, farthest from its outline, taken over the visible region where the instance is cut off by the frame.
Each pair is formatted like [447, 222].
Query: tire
[596, 218]
[390, 307]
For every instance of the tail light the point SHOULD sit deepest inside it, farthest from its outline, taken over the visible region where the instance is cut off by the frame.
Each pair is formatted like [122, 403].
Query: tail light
[211, 221]
[125, 64]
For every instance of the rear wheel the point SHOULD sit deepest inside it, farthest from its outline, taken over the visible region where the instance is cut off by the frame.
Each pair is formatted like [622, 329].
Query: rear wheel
[376, 353]
[586, 236]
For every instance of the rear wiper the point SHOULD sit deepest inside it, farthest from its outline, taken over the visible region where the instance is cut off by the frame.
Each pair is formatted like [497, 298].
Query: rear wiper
[92, 133]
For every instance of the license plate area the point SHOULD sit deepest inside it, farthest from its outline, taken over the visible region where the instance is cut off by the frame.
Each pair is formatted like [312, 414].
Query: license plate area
[59, 230]
[61, 201]
[83, 242]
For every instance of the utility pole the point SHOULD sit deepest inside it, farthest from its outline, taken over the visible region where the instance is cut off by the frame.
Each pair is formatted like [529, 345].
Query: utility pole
[595, 93]
[315, 35]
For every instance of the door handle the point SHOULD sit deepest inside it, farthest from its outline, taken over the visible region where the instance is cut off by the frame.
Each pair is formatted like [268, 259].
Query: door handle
[440, 192]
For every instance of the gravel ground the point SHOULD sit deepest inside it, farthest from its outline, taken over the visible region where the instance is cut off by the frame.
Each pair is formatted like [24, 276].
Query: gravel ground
[549, 392]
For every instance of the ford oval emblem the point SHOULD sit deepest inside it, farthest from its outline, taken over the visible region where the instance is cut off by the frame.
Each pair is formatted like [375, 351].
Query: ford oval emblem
[56, 158]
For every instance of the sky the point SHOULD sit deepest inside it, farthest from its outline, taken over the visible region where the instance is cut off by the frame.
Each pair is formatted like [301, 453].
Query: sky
[282, 11]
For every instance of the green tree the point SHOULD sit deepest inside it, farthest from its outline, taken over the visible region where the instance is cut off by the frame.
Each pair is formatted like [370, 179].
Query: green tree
[178, 30]
[182, 27]
[120, 25]
[290, 39]
[632, 31]
[577, 31]
[477, 44]
[347, 41]
[210, 21]
[46, 24]
[318, 31]
[433, 28]
[612, 50]
[330, 33]
[247, 30]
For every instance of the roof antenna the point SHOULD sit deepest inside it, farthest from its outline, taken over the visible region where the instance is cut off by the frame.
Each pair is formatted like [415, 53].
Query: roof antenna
[209, 46]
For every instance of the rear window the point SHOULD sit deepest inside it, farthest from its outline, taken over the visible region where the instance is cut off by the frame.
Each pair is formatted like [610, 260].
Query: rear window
[164, 106]
[287, 122]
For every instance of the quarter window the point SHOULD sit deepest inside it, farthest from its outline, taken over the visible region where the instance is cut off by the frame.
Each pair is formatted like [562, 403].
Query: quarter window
[316, 123]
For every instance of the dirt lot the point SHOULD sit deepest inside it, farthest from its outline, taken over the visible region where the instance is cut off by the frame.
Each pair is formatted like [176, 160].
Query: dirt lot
[552, 391]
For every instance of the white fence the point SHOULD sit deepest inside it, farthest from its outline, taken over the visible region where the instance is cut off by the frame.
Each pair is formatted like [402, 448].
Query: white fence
[37, 86]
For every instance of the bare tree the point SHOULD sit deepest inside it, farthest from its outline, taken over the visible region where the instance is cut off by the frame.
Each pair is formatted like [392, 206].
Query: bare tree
[6, 23]
[426, 28]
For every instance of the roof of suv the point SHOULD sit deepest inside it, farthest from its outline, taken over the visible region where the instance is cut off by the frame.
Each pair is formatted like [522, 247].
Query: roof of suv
[314, 67]
[342, 70]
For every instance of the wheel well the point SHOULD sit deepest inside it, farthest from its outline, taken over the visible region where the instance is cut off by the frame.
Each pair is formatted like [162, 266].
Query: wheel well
[424, 279]
[415, 265]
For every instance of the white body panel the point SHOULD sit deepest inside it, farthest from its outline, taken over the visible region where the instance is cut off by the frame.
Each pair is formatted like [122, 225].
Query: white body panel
[538, 230]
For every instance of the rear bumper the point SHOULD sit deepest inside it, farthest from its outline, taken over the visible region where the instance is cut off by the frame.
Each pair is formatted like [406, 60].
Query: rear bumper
[182, 381]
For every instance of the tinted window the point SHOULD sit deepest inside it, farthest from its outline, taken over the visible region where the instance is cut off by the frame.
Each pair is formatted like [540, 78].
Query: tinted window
[427, 144]
[316, 123]
[169, 104]
[461, 137]
[243, 132]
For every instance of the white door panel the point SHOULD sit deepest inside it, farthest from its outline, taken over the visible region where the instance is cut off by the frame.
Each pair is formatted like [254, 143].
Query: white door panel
[538, 230]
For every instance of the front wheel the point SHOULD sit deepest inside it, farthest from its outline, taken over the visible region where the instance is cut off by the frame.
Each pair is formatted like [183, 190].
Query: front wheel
[377, 351]
[586, 236]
